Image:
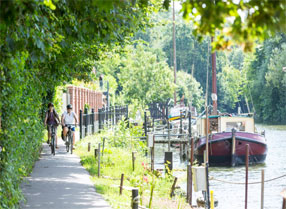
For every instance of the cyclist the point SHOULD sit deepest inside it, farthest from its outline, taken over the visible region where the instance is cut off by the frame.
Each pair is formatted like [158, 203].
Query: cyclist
[51, 118]
[69, 117]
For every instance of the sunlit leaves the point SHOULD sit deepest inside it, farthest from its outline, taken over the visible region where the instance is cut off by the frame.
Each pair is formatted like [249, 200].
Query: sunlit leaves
[242, 22]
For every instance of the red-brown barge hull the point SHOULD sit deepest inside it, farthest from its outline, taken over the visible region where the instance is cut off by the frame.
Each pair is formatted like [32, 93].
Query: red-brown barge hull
[220, 146]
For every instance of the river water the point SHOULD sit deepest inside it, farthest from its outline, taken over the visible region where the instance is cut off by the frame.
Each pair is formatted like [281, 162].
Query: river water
[232, 196]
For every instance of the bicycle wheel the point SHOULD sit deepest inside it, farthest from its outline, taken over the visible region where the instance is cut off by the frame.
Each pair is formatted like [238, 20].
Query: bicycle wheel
[71, 143]
[67, 144]
[53, 146]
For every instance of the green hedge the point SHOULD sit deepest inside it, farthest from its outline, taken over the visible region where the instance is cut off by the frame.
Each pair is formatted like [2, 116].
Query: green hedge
[22, 129]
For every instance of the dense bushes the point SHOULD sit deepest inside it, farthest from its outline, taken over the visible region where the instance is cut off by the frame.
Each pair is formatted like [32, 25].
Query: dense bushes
[21, 130]
[44, 45]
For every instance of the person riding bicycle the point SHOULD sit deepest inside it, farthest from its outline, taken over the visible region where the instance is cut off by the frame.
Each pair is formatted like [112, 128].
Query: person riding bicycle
[69, 118]
[51, 119]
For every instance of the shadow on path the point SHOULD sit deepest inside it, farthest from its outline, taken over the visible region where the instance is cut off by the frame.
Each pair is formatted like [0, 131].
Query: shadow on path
[60, 182]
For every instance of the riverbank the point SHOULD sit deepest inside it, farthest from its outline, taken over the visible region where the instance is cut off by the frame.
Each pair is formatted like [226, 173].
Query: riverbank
[116, 159]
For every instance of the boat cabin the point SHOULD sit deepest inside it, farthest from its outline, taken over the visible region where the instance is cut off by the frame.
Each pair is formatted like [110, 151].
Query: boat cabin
[219, 124]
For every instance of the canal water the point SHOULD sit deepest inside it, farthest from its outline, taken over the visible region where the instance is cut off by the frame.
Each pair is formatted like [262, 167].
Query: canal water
[232, 196]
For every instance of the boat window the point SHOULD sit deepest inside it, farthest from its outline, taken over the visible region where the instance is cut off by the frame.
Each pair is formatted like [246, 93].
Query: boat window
[239, 126]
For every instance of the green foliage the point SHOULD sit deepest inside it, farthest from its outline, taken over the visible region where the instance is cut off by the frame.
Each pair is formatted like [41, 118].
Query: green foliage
[21, 132]
[191, 54]
[117, 159]
[241, 22]
[190, 88]
[266, 80]
[230, 84]
[144, 77]
[45, 44]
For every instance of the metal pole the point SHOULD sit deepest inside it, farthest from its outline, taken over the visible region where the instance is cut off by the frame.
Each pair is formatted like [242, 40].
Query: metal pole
[88, 147]
[208, 185]
[246, 173]
[169, 139]
[207, 134]
[214, 85]
[86, 122]
[145, 123]
[80, 124]
[181, 122]
[98, 169]
[153, 154]
[189, 186]
[191, 178]
[174, 51]
[233, 155]
[262, 188]
[103, 143]
[99, 120]
[92, 120]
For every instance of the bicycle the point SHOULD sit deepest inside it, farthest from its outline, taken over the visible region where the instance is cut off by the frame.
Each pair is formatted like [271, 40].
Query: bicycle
[69, 142]
[53, 139]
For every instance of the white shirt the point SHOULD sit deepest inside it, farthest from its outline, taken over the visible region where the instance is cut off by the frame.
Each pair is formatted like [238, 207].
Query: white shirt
[69, 117]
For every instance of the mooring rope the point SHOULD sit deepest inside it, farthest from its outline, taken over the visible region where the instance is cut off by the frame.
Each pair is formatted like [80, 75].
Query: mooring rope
[258, 182]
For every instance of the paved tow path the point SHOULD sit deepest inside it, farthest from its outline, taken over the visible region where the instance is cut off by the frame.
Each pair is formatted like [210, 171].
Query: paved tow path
[60, 182]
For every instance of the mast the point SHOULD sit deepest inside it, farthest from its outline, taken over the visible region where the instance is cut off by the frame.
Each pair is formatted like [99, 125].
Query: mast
[174, 51]
[214, 82]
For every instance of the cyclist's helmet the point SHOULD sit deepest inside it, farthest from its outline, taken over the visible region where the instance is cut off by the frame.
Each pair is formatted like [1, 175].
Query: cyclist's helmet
[69, 106]
[50, 104]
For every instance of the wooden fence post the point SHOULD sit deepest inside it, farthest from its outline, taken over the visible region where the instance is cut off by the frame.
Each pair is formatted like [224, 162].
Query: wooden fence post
[133, 161]
[173, 187]
[135, 199]
[88, 147]
[121, 184]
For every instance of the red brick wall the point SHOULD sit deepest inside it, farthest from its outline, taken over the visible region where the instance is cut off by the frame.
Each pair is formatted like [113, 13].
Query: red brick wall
[80, 96]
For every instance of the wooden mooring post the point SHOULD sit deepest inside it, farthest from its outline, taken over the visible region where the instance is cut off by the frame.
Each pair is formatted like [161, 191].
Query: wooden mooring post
[246, 174]
[168, 161]
[121, 184]
[135, 199]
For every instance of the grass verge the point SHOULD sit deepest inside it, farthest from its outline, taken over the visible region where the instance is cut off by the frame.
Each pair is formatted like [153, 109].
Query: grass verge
[117, 160]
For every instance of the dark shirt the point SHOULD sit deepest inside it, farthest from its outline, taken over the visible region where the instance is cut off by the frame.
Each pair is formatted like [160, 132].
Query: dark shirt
[51, 120]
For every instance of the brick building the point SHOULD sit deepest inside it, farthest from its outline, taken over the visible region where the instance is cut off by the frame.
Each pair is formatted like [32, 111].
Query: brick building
[79, 96]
